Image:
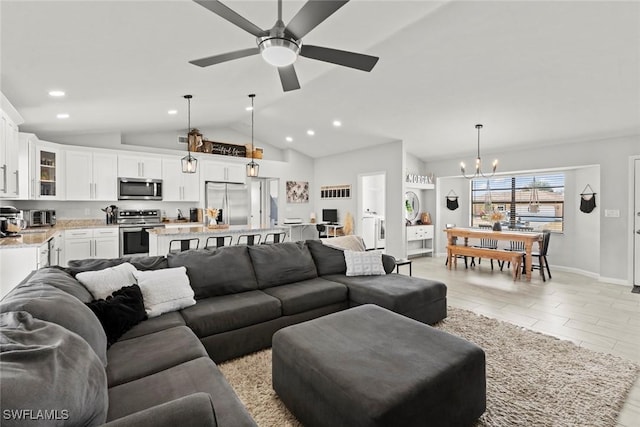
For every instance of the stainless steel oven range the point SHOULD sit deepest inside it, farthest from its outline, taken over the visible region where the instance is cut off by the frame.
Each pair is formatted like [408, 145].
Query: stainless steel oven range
[134, 238]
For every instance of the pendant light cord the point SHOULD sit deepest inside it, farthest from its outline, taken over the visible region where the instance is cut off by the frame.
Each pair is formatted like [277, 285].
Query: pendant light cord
[252, 96]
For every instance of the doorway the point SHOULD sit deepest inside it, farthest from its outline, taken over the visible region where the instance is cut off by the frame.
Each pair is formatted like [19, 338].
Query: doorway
[372, 209]
[264, 202]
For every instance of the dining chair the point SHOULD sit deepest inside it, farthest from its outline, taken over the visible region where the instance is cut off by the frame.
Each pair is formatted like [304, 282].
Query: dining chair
[249, 239]
[271, 238]
[179, 245]
[485, 243]
[542, 256]
[217, 241]
[515, 246]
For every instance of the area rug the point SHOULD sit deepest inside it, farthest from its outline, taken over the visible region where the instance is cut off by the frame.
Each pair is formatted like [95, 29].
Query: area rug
[532, 379]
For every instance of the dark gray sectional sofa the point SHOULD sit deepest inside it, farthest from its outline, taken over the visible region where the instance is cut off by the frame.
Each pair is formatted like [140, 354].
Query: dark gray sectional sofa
[163, 371]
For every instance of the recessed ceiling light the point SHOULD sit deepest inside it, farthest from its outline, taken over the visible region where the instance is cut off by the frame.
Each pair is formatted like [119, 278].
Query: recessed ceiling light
[337, 123]
[63, 115]
[56, 93]
[289, 139]
[172, 112]
[249, 108]
[311, 132]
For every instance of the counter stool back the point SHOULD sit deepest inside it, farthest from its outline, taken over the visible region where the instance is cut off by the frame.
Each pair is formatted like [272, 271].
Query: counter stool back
[217, 241]
[271, 238]
[179, 245]
[249, 239]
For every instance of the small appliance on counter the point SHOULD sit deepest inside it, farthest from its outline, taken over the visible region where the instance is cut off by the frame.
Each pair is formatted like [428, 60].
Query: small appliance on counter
[40, 217]
[195, 215]
[11, 221]
[111, 213]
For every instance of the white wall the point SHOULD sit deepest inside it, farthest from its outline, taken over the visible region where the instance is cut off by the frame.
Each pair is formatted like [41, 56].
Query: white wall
[344, 169]
[611, 155]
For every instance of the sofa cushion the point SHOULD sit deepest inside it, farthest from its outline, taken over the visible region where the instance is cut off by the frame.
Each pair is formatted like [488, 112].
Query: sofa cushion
[57, 277]
[198, 375]
[222, 271]
[46, 367]
[119, 312]
[103, 283]
[138, 357]
[48, 303]
[165, 290]
[364, 263]
[93, 264]
[228, 312]
[395, 292]
[328, 260]
[282, 263]
[307, 295]
[155, 324]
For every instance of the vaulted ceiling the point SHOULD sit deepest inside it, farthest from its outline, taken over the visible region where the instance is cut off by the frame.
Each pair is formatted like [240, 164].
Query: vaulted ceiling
[530, 71]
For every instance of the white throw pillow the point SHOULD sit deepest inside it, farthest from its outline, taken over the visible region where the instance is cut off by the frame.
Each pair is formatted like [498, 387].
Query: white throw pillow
[368, 263]
[103, 283]
[165, 290]
[351, 242]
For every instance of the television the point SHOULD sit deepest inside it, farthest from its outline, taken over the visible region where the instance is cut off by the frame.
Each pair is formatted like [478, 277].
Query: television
[330, 216]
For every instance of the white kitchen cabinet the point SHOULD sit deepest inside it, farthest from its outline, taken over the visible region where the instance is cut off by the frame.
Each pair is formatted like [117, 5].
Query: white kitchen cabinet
[176, 185]
[9, 166]
[56, 247]
[139, 166]
[91, 243]
[91, 175]
[46, 179]
[15, 265]
[420, 240]
[223, 172]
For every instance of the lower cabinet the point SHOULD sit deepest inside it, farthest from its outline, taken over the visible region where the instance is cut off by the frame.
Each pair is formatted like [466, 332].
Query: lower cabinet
[91, 243]
[420, 240]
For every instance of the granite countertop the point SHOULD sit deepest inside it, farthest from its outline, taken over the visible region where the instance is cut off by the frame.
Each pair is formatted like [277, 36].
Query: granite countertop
[204, 230]
[36, 236]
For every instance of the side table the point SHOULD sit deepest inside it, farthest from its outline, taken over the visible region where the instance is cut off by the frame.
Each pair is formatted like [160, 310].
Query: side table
[403, 261]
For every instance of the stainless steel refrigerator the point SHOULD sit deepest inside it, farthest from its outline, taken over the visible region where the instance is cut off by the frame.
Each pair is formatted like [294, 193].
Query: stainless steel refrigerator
[231, 199]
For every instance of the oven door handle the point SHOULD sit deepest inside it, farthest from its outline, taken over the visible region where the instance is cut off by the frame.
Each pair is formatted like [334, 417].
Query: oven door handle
[132, 230]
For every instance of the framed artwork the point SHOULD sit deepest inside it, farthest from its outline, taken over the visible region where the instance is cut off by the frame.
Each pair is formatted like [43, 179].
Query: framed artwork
[297, 191]
[335, 192]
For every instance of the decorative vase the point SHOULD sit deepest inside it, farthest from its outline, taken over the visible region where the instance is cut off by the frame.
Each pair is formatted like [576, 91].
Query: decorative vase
[497, 226]
[212, 221]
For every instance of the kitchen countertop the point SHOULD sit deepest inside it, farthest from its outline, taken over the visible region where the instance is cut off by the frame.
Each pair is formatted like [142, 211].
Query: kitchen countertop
[204, 230]
[36, 236]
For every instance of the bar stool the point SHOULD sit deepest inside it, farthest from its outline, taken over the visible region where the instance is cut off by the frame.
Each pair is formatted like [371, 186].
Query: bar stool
[271, 238]
[249, 239]
[217, 241]
[180, 245]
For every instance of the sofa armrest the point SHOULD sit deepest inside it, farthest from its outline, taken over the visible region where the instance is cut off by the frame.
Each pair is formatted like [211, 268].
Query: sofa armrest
[193, 410]
[389, 263]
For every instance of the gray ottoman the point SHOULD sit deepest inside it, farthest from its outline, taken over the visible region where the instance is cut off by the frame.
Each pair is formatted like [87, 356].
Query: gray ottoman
[368, 366]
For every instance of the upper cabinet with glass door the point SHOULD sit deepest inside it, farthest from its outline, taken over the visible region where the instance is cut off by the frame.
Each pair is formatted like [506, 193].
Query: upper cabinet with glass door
[46, 181]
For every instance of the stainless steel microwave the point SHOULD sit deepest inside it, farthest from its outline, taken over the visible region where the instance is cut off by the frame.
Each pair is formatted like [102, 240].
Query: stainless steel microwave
[139, 189]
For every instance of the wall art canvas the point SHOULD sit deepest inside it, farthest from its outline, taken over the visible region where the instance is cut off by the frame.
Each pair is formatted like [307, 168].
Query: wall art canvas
[297, 192]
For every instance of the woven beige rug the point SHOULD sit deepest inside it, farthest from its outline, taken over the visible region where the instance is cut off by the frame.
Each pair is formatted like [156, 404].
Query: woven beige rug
[532, 379]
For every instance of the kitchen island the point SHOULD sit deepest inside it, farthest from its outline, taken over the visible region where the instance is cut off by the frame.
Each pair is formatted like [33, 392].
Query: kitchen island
[159, 238]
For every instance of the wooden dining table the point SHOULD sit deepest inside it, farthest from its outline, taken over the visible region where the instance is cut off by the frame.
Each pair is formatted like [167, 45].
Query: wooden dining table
[527, 237]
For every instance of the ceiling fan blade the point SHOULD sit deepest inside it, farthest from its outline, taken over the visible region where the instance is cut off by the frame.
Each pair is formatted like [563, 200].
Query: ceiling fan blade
[311, 15]
[224, 57]
[230, 15]
[358, 61]
[289, 78]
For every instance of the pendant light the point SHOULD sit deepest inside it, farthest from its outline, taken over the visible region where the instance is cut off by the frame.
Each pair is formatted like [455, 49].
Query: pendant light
[478, 171]
[194, 138]
[252, 167]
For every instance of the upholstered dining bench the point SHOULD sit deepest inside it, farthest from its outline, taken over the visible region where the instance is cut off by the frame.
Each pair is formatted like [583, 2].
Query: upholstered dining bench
[368, 366]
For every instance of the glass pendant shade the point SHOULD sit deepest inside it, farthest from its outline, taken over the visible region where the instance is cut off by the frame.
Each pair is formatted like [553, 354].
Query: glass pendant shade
[189, 164]
[253, 169]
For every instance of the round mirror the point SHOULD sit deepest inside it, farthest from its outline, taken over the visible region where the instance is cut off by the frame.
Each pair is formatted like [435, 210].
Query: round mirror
[411, 206]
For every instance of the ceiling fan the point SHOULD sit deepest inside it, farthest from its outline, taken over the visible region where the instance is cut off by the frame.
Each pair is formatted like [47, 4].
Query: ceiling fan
[281, 45]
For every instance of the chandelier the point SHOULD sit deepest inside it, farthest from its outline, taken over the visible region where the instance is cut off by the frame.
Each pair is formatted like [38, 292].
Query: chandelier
[478, 172]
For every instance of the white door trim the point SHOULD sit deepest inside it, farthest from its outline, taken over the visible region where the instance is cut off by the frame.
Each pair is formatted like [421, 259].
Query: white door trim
[632, 250]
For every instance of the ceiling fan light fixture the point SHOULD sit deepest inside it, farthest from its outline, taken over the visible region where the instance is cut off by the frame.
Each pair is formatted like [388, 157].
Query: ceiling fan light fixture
[279, 52]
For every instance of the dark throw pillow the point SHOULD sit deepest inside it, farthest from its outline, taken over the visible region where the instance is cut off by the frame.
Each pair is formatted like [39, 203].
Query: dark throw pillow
[119, 312]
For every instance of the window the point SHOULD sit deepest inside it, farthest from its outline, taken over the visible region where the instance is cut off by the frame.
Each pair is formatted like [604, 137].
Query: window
[521, 201]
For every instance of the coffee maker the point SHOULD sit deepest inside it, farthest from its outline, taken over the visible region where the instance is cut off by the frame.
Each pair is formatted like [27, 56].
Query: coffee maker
[11, 221]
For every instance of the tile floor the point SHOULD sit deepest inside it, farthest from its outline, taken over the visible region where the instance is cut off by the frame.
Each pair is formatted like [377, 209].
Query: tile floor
[600, 316]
